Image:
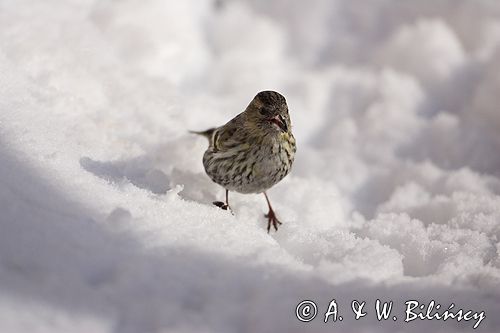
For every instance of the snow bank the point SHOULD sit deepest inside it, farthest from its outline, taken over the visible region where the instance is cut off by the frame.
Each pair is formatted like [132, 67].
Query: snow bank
[106, 217]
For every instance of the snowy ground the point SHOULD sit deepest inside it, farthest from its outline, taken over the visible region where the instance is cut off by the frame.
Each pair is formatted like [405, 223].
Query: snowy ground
[106, 222]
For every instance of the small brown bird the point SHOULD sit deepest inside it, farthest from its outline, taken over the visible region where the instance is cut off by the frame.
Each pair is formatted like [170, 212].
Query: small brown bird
[253, 151]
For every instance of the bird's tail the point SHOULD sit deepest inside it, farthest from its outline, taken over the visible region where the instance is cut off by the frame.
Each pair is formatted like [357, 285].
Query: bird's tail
[207, 134]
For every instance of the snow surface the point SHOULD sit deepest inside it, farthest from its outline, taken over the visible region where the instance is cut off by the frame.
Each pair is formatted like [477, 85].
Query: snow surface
[106, 221]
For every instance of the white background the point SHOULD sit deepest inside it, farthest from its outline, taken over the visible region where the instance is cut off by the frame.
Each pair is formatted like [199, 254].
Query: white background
[106, 221]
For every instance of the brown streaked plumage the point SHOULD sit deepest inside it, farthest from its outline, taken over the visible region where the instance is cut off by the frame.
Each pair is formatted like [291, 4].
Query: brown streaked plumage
[253, 151]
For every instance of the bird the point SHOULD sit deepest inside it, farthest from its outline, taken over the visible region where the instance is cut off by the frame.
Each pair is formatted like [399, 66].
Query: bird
[253, 151]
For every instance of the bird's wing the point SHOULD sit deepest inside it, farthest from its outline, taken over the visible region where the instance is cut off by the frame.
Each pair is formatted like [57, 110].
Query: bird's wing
[230, 136]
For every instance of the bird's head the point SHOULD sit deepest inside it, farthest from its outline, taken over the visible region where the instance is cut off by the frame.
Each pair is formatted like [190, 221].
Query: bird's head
[268, 111]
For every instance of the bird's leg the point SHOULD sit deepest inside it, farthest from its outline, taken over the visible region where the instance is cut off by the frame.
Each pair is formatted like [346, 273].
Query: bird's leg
[223, 205]
[271, 216]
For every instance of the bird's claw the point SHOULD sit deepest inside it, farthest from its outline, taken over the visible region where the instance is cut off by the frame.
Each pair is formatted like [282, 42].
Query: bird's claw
[223, 205]
[272, 219]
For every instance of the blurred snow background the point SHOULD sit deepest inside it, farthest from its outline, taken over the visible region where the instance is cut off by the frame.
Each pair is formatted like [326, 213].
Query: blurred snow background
[106, 222]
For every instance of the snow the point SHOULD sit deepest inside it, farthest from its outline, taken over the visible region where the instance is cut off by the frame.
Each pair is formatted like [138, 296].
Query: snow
[106, 221]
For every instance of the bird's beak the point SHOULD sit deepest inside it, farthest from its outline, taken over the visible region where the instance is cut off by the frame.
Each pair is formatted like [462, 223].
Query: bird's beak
[279, 121]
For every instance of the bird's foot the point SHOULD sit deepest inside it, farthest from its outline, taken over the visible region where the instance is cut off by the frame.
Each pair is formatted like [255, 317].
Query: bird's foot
[272, 220]
[223, 205]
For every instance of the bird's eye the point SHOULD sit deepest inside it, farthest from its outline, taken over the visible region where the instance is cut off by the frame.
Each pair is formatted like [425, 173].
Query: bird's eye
[265, 111]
